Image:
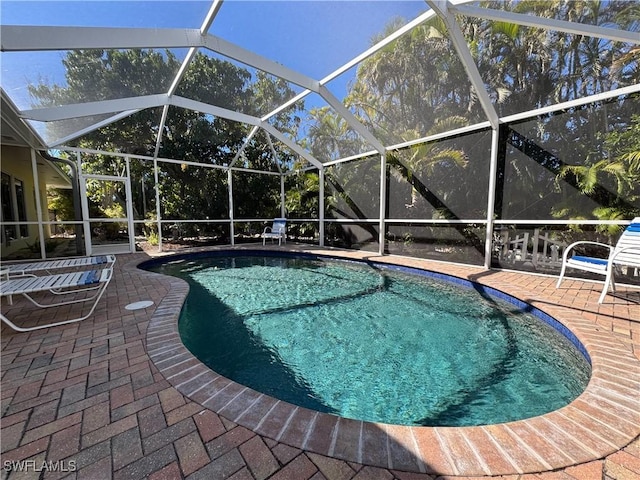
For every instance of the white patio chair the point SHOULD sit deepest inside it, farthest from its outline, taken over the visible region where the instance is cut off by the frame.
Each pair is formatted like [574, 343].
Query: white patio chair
[59, 284]
[625, 253]
[276, 231]
[20, 269]
[48, 267]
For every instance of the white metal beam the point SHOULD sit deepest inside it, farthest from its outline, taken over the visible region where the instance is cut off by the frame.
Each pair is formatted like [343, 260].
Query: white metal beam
[274, 153]
[213, 110]
[491, 195]
[321, 206]
[32, 38]
[379, 46]
[90, 151]
[534, 21]
[211, 15]
[253, 131]
[351, 119]
[247, 57]
[230, 193]
[286, 105]
[64, 112]
[206, 24]
[572, 103]
[441, 7]
[181, 71]
[91, 128]
[442, 135]
[292, 145]
[163, 120]
[383, 203]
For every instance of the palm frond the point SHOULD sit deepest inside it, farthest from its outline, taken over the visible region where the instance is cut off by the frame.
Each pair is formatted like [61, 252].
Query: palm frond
[510, 30]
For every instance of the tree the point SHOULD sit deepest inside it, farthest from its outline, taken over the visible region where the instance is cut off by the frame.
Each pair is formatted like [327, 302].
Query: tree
[411, 85]
[192, 136]
[620, 168]
[330, 137]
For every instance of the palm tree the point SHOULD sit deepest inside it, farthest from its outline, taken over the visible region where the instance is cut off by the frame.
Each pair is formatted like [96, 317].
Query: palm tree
[621, 169]
[425, 162]
[330, 137]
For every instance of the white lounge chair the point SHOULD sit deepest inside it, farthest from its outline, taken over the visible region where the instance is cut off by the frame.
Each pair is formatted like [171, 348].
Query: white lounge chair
[59, 284]
[277, 230]
[625, 253]
[48, 267]
[19, 269]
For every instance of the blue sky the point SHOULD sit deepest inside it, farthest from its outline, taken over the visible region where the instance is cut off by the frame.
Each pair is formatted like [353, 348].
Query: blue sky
[312, 37]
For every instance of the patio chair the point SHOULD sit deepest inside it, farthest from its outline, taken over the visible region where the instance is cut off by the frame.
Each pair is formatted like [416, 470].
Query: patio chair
[625, 253]
[58, 284]
[20, 269]
[277, 230]
[49, 266]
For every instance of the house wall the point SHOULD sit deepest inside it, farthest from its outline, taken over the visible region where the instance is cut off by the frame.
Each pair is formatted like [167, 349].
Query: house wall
[16, 163]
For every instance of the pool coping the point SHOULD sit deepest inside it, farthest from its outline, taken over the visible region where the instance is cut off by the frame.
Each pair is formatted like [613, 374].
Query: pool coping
[597, 423]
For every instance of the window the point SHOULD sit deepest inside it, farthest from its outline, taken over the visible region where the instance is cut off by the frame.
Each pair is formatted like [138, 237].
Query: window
[13, 208]
[22, 209]
[9, 231]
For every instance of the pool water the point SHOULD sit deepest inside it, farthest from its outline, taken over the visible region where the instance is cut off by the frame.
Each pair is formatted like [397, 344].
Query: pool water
[373, 343]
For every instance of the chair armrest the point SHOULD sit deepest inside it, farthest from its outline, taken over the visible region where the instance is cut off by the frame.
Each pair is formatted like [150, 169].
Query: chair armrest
[20, 274]
[565, 254]
[266, 230]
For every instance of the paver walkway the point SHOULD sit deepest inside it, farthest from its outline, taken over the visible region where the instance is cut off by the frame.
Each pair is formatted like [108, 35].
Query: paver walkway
[86, 401]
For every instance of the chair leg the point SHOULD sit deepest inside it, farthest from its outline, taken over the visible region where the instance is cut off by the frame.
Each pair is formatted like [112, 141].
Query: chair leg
[562, 270]
[64, 322]
[609, 282]
[100, 288]
[603, 294]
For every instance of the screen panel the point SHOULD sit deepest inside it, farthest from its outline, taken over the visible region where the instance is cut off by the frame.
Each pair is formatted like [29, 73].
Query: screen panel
[460, 243]
[352, 189]
[576, 164]
[443, 179]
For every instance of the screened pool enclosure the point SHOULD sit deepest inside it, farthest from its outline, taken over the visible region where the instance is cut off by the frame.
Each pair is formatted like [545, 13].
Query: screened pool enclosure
[490, 133]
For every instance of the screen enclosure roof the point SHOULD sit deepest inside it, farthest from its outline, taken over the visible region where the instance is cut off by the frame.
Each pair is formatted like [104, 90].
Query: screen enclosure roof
[318, 53]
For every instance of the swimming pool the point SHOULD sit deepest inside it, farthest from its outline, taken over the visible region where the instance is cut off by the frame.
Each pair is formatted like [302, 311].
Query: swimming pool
[341, 352]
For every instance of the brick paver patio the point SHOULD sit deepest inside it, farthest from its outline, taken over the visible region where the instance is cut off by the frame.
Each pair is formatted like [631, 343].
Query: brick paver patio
[88, 401]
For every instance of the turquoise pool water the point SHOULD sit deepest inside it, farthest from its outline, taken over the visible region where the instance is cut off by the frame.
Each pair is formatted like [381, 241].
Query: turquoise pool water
[373, 343]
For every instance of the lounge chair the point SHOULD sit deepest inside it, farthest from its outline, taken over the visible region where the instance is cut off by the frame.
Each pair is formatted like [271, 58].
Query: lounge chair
[20, 269]
[277, 230]
[59, 284]
[625, 253]
[48, 267]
